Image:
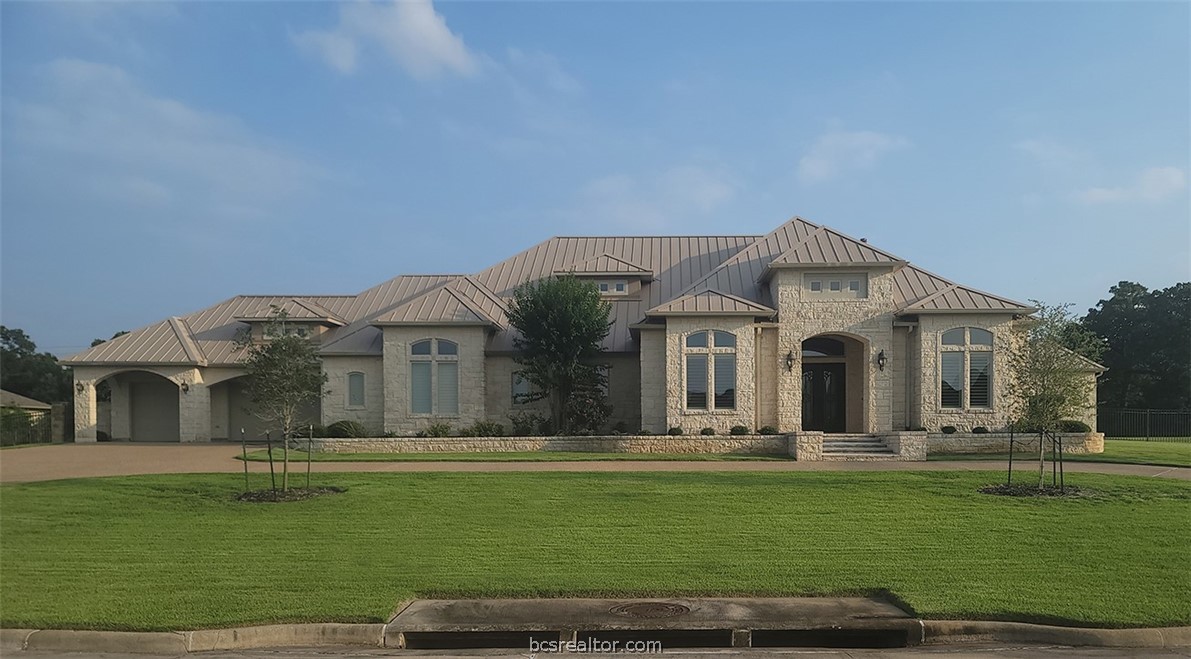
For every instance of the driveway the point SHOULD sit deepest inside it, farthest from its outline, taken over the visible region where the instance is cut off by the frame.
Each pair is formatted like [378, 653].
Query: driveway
[42, 463]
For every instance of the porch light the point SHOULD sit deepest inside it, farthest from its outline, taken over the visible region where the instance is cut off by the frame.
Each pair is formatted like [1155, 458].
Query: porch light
[185, 388]
[79, 387]
[881, 360]
[789, 361]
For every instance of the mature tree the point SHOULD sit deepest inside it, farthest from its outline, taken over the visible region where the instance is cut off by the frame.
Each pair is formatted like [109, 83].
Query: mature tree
[561, 324]
[1049, 379]
[284, 377]
[25, 371]
[1149, 346]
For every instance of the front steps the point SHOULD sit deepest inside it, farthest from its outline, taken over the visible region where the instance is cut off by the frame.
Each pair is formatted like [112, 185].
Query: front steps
[856, 448]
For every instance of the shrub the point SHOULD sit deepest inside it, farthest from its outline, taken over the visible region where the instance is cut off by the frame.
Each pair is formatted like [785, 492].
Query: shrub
[620, 428]
[675, 430]
[347, 429]
[768, 430]
[436, 430]
[948, 430]
[739, 430]
[707, 431]
[319, 431]
[980, 430]
[483, 429]
[527, 424]
[1073, 425]
[643, 433]
[102, 436]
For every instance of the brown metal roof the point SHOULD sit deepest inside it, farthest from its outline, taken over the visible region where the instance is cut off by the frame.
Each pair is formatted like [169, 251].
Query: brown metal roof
[707, 303]
[10, 399]
[826, 246]
[606, 264]
[295, 309]
[957, 298]
[442, 306]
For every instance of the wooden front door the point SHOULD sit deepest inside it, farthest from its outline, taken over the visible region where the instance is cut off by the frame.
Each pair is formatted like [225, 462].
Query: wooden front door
[823, 397]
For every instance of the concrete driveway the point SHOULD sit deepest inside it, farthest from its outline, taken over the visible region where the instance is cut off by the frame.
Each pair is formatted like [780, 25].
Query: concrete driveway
[58, 461]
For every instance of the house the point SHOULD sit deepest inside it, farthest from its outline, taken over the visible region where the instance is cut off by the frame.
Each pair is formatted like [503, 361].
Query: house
[803, 328]
[9, 399]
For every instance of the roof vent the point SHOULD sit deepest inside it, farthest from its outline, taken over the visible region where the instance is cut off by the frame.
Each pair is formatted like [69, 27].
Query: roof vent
[864, 240]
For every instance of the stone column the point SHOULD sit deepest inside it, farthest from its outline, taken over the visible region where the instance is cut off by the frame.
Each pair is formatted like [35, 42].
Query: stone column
[86, 423]
[194, 407]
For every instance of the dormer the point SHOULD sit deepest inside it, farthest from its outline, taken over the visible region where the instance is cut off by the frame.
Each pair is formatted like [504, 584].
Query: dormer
[303, 318]
[614, 276]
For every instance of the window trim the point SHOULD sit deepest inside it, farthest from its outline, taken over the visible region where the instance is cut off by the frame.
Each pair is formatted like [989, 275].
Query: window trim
[434, 359]
[348, 405]
[710, 352]
[967, 348]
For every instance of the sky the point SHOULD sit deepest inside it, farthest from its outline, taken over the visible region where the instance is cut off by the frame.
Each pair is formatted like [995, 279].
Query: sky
[157, 158]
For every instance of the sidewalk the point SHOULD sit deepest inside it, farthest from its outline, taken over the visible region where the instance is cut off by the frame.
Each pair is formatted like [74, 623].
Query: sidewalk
[42, 463]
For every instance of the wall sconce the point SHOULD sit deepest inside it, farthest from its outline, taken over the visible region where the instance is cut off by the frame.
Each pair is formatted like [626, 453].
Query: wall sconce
[881, 360]
[185, 387]
[79, 387]
[789, 361]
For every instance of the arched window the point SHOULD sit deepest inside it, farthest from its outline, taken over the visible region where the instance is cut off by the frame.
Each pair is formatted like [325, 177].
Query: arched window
[355, 389]
[965, 368]
[710, 359]
[434, 377]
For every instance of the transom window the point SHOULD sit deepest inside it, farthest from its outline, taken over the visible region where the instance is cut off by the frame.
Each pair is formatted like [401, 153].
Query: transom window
[613, 287]
[355, 389]
[965, 368]
[836, 286]
[710, 359]
[274, 330]
[434, 377]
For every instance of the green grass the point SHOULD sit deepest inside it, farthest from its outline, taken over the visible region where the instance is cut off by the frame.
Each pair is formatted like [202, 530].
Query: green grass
[177, 552]
[1167, 454]
[510, 456]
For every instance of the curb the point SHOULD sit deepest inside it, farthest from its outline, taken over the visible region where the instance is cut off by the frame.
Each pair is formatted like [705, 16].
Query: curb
[935, 632]
[943, 632]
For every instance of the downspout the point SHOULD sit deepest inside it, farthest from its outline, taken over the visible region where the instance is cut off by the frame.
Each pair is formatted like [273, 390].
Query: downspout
[756, 378]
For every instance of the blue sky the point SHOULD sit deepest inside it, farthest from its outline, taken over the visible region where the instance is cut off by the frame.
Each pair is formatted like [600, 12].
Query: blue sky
[158, 158]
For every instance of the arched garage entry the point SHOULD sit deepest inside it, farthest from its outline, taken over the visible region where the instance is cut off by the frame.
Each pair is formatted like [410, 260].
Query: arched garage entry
[232, 409]
[143, 407]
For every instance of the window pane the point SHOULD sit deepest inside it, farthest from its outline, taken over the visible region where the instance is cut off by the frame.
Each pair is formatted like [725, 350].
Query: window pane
[725, 340]
[954, 337]
[979, 380]
[420, 348]
[603, 287]
[520, 389]
[696, 340]
[448, 387]
[853, 285]
[447, 348]
[953, 379]
[355, 389]
[696, 382]
[816, 286]
[821, 346]
[419, 387]
[620, 287]
[979, 337]
[725, 382]
[835, 285]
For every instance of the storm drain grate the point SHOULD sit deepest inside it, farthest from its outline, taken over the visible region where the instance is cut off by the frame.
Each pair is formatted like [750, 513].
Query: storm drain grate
[650, 610]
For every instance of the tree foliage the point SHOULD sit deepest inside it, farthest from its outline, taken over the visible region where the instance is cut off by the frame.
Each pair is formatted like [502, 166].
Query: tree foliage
[561, 324]
[284, 377]
[1149, 346]
[25, 371]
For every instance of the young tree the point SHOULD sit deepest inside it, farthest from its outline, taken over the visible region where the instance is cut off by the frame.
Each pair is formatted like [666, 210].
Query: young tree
[561, 323]
[284, 376]
[1050, 378]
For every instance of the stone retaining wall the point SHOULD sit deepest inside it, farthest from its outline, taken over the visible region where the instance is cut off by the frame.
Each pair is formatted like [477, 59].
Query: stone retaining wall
[738, 444]
[1091, 442]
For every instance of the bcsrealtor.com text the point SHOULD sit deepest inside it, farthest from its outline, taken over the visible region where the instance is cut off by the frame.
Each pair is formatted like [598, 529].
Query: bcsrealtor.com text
[593, 645]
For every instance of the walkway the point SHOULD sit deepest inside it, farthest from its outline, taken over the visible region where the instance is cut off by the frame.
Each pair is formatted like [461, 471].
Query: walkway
[42, 463]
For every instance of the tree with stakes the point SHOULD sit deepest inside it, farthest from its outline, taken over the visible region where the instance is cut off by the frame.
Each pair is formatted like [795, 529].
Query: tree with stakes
[284, 376]
[561, 324]
[1049, 379]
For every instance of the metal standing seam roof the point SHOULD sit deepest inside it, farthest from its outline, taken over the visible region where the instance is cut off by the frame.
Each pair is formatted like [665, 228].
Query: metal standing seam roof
[686, 274]
[295, 309]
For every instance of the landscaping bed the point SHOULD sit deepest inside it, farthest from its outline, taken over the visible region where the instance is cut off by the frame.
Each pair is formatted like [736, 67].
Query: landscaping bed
[506, 456]
[178, 552]
[1168, 454]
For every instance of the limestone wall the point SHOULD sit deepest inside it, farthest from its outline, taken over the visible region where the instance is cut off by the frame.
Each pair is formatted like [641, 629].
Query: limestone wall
[472, 380]
[933, 415]
[744, 444]
[653, 380]
[335, 405]
[936, 443]
[692, 421]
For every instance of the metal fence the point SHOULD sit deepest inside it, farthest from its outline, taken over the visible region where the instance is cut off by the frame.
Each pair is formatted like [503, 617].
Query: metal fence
[1150, 425]
[19, 426]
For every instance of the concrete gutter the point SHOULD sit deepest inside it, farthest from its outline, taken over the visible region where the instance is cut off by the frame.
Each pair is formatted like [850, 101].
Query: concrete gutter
[935, 632]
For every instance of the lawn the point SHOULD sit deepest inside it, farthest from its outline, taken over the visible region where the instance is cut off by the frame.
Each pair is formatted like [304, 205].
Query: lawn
[176, 551]
[505, 456]
[1170, 454]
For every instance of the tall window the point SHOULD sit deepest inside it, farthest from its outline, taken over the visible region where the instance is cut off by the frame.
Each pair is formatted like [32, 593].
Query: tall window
[355, 390]
[710, 357]
[965, 364]
[434, 377]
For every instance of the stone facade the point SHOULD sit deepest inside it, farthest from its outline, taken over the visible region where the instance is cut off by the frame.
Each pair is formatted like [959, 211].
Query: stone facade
[692, 421]
[933, 415]
[335, 405]
[742, 445]
[653, 380]
[472, 380]
[938, 443]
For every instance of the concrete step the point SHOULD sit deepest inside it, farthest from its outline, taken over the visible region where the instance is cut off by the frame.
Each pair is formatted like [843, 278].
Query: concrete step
[859, 457]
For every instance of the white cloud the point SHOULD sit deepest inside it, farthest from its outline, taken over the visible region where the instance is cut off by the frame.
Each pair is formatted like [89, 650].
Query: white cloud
[667, 200]
[1049, 154]
[547, 68]
[95, 126]
[839, 152]
[411, 32]
[1152, 185]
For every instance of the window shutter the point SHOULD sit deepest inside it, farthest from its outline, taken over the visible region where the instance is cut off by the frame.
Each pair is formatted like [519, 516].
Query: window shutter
[696, 382]
[979, 370]
[725, 381]
[953, 379]
[448, 387]
[419, 387]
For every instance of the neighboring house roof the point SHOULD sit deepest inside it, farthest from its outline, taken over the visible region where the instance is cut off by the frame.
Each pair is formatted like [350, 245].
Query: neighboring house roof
[10, 399]
[710, 302]
[681, 274]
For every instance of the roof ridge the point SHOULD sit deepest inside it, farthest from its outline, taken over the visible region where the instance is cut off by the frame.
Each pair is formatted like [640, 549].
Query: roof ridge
[469, 304]
[485, 291]
[182, 332]
[731, 259]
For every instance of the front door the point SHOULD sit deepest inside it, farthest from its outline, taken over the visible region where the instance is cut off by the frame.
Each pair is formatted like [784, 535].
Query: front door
[823, 397]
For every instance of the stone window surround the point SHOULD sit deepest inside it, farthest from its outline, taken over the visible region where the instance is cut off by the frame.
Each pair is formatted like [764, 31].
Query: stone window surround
[709, 351]
[347, 391]
[967, 347]
[434, 359]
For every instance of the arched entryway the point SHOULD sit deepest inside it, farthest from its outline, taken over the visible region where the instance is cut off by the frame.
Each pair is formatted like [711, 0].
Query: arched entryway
[232, 410]
[140, 406]
[833, 384]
